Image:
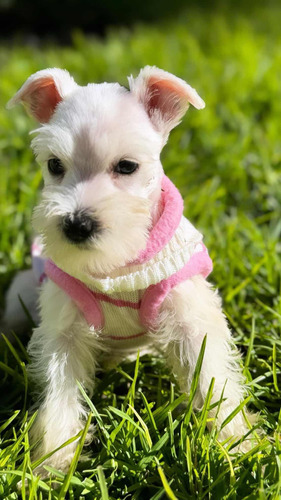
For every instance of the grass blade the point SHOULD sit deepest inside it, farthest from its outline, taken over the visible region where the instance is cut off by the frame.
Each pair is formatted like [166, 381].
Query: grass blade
[102, 484]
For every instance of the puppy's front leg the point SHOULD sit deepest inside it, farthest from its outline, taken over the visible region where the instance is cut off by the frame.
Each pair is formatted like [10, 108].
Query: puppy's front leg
[63, 350]
[191, 311]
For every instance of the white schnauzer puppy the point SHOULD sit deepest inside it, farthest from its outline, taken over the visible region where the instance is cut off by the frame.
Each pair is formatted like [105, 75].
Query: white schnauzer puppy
[121, 266]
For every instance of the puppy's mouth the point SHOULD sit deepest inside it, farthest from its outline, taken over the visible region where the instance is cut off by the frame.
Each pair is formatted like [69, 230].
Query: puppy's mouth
[80, 228]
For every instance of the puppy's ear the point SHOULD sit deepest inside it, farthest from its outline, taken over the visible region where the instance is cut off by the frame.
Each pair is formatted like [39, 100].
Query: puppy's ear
[42, 92]
[165, 97]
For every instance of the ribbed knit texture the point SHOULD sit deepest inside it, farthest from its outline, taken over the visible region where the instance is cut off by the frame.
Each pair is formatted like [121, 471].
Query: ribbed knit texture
[168, 261]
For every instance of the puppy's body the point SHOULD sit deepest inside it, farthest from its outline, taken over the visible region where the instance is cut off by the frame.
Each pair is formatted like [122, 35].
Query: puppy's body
[100, 151]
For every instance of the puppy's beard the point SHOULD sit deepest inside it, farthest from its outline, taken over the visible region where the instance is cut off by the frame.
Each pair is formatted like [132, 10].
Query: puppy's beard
[125, 221]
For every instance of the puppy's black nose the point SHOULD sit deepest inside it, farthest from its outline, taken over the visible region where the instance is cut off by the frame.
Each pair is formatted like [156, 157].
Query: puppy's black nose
[80, 226]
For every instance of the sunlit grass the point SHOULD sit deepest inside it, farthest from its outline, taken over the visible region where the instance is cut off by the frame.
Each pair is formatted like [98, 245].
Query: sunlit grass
[226, 160]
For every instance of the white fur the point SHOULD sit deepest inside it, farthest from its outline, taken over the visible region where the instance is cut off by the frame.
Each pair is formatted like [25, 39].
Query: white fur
[63, 350]
[90, 129]
[191, 311]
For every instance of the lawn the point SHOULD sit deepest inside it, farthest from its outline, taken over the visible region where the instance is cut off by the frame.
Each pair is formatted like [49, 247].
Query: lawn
[226, 161]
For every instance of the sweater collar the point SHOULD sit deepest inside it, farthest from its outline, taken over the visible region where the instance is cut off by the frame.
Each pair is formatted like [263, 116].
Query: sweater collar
[167, 223]
[170, 244]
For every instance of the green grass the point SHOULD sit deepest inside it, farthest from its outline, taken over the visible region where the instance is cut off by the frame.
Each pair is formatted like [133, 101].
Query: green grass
[226, 160]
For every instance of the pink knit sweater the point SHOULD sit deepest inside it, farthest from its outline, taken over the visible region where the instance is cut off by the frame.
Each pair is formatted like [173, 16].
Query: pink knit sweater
[125, 305]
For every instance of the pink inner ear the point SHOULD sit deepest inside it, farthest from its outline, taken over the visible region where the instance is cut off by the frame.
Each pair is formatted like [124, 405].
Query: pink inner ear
[165, 95]
[42, 97]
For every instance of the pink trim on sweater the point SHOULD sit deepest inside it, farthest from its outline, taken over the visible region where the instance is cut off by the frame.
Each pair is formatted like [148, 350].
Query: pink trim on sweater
[42, 278]
[200, 263]
[167, 224]
[117, 302]
[36, 249]
[126, 337]
[78, 292]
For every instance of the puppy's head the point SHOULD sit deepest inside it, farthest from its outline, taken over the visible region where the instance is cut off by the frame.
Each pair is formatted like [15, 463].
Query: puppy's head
[100, 147]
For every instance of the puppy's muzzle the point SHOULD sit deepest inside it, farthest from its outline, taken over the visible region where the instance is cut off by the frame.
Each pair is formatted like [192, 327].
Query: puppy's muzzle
[80, 226]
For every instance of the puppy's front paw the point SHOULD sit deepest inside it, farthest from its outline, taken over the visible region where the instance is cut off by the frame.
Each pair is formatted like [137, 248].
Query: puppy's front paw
[237, 429]
[61, 461]
[41, 473]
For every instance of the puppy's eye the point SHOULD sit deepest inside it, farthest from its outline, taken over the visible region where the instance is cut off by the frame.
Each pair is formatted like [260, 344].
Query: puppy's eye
[56, 167]
[126, 167]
